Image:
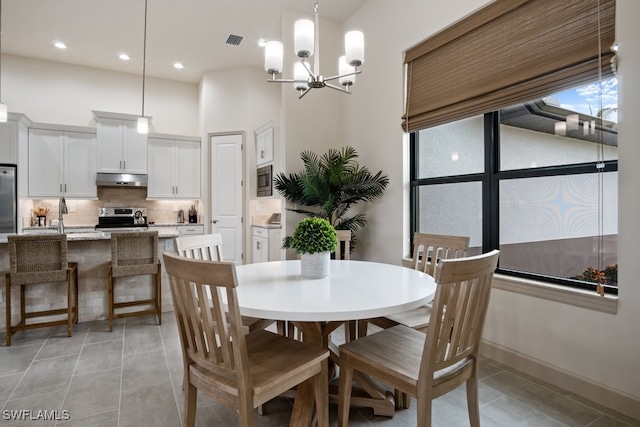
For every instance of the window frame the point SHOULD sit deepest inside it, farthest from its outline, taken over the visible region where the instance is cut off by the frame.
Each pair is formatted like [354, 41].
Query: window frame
[490, 180]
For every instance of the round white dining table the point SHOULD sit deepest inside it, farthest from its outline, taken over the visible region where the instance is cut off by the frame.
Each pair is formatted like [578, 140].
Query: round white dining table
[353, 290]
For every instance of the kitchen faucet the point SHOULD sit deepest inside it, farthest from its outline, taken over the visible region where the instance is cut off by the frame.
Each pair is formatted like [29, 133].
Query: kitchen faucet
[62, 209]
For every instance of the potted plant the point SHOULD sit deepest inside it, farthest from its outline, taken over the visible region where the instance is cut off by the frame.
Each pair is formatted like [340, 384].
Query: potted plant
[329, 185]
[314, 239]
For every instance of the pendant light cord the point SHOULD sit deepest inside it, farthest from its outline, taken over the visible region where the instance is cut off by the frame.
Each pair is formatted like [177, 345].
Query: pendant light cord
[144, 54]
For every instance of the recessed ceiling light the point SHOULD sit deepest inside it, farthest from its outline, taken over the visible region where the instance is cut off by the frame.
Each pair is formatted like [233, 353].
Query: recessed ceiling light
[124, 57]
[262, 42]
[60, 45]
[178, 65]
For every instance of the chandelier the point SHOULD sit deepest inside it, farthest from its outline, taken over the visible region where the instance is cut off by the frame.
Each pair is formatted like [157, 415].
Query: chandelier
[306, 44]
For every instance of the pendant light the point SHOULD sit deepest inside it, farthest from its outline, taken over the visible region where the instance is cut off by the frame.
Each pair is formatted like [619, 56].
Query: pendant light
[143, 122]
[3, 107]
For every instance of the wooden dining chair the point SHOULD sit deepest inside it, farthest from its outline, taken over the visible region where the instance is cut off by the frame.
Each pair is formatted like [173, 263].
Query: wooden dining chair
[208, 247]
[343, 250]
[429, 365]
[428, 250]
[236, 369]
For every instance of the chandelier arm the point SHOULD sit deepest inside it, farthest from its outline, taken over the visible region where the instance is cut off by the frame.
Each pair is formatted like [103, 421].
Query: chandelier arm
[280, 80]
[304, 93]
[337, 88]
[306, 66]
[342, 75]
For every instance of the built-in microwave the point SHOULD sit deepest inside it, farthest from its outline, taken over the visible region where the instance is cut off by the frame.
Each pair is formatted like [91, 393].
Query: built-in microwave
[265, 178]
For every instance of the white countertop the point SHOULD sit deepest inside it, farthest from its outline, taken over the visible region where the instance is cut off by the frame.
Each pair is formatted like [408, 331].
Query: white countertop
[78, 233]
[267, 225]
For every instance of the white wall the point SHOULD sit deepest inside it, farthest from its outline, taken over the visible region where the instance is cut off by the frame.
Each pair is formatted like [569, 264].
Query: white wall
[599, 348]
[374, 111]
[235, 100]
[52, 92]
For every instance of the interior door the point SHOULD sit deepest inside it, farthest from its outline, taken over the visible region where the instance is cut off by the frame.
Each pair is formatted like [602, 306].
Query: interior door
[226, 193]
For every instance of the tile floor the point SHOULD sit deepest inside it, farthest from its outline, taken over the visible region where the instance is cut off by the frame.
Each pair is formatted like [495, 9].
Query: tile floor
[132, 376]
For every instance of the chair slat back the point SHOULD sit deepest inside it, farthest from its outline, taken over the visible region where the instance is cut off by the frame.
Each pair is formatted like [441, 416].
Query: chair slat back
[459, 310]
[344, 237]
[429, 249]
[205, 247]
[210, 340]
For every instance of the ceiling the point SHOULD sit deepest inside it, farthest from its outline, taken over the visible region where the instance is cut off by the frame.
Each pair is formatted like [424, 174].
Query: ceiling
[193, 32]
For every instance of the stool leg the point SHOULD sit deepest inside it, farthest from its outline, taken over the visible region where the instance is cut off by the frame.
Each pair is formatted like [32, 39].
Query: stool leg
[22, 304]
[8, 308]
[69, 305]
[110, 284]
[159, 293]
[77, 296]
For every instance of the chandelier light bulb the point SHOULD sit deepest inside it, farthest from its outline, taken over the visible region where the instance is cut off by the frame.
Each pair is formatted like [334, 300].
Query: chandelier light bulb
[303, 38]
[300, 77]
[354, 48]
[273, 57]
[344, 68]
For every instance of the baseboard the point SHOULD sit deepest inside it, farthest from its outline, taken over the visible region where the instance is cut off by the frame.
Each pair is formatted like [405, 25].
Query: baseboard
[583, 387]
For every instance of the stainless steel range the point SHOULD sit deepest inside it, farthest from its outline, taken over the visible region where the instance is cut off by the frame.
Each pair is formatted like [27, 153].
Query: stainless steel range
[122, 219]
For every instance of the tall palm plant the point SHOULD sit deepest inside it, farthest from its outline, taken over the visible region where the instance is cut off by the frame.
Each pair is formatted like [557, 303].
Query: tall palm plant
[329, 185]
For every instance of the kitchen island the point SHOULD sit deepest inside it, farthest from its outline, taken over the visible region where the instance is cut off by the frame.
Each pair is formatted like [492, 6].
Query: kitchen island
[92, 251]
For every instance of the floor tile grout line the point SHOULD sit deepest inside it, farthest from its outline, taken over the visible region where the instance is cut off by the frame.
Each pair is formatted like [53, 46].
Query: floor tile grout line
[124, 331]
[66, 393]
[170, 376]
[555, 393]
[25, 372]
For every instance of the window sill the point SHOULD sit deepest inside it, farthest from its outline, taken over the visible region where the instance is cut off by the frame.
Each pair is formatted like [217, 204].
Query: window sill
[562, 294]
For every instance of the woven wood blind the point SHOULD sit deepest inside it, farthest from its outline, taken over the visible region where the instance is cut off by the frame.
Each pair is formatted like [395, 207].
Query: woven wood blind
[509, 52]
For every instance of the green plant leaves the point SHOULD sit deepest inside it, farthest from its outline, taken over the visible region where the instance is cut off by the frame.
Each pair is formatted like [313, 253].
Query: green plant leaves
[329, 185]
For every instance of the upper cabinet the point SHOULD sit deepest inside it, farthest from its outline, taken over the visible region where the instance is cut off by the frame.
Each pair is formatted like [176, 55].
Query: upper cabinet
[62, 162]
[174, 167]
[120, 147]
[265, 138]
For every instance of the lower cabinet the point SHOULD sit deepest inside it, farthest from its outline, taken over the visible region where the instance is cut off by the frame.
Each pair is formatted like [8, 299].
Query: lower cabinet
[185, 230]
[266, 244]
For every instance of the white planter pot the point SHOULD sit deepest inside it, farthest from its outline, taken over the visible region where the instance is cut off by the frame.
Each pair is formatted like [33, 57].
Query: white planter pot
[315, 266]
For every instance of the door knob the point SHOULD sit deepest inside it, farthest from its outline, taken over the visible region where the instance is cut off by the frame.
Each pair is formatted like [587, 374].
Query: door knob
[214, 221]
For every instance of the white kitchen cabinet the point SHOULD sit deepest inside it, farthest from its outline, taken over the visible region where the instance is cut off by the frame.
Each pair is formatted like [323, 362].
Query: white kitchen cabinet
[120, 148]
[265, 138]
[174, 167]
[191, 229]
[266, 244]
[62, 163]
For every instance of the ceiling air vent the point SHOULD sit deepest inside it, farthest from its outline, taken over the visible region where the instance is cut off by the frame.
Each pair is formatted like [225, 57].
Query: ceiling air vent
[234, 40]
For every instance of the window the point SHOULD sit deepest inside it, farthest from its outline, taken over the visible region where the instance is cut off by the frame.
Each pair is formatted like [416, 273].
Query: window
[537, 180]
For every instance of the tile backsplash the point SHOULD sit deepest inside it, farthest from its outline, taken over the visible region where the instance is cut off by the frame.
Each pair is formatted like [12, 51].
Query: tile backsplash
[86, 211]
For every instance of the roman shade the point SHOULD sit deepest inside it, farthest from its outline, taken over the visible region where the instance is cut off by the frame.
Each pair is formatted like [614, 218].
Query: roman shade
[508, 52]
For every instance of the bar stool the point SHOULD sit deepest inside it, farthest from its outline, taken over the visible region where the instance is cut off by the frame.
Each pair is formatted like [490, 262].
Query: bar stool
[39, 259]
[135, 253]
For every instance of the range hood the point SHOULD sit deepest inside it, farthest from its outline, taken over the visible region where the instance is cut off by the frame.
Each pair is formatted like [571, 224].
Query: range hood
[121, 180]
